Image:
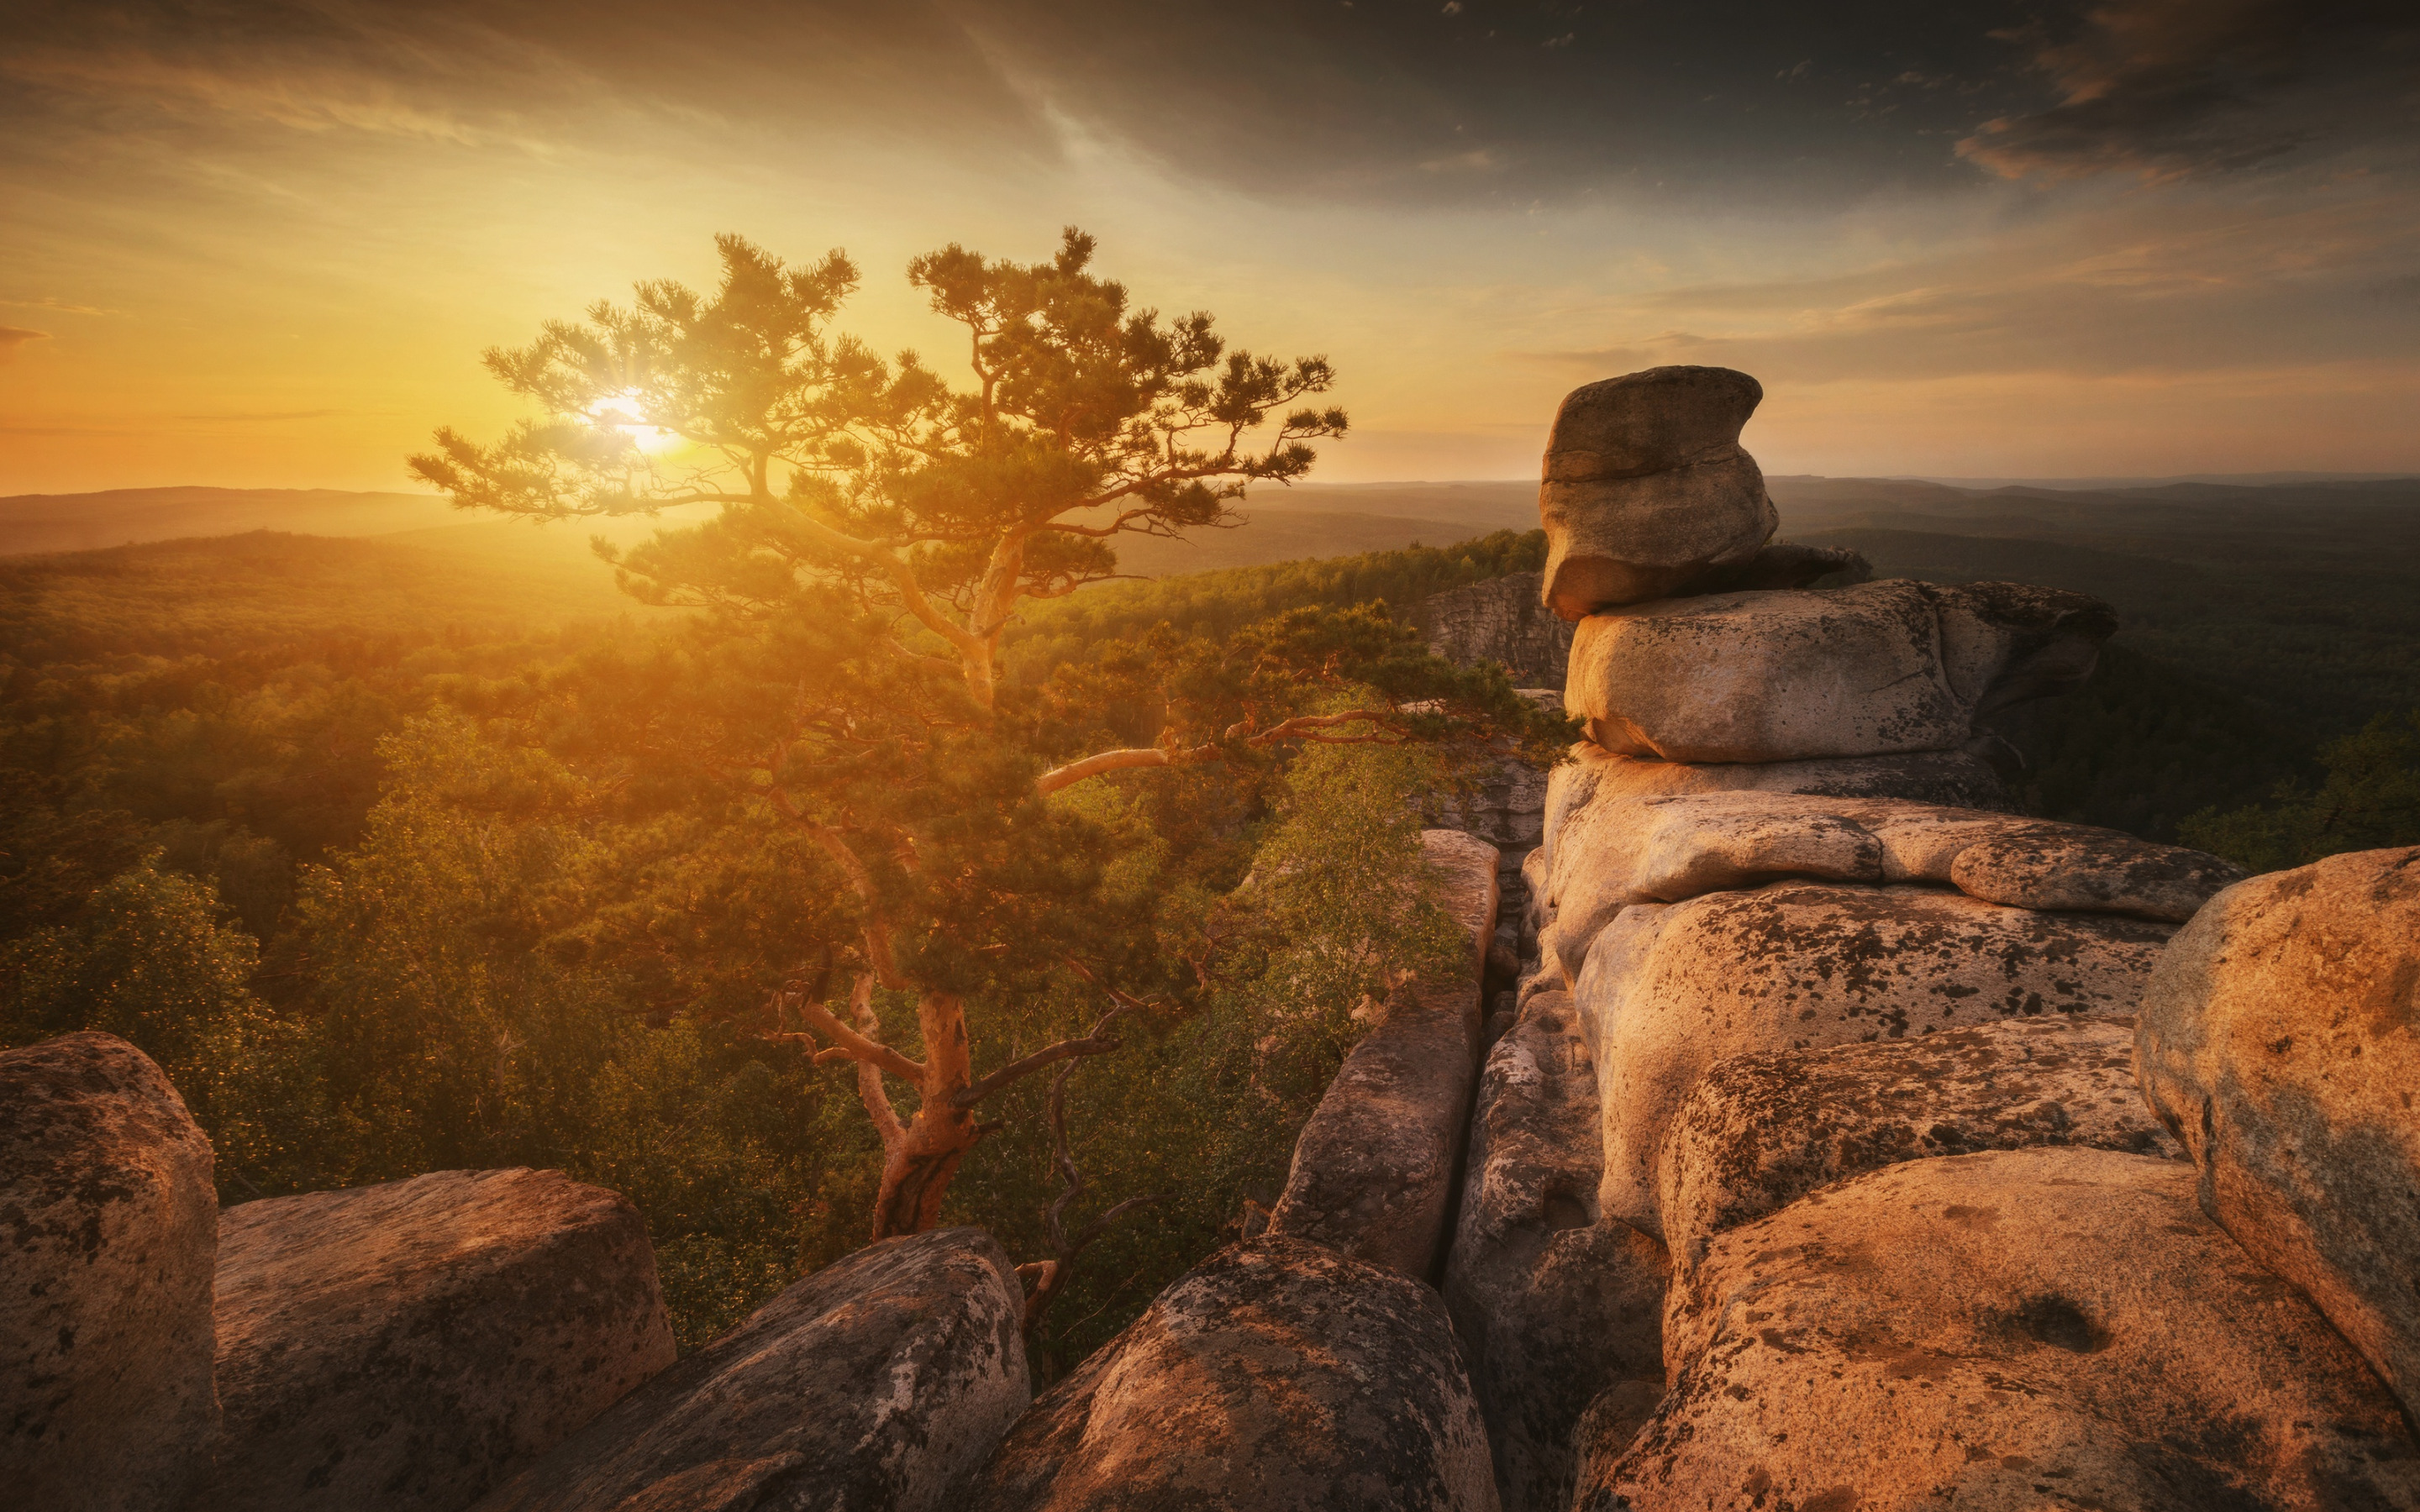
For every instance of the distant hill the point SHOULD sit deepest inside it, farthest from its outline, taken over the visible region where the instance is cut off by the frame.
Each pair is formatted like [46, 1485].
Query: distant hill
[125, 517]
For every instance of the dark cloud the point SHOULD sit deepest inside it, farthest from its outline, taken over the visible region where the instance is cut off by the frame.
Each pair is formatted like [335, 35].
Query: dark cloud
[2169, 88]
[12, 337]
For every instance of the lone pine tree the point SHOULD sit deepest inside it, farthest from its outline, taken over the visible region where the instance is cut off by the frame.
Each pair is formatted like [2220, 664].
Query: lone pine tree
[874, 528]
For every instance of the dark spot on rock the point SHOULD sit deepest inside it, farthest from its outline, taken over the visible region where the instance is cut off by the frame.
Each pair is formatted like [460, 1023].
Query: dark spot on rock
[2060, 1323]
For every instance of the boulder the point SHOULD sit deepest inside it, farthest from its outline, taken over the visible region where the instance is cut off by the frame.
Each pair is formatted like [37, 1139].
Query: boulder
[1275, 1376]
[1760, 1132]
[1873, 670]
[1786, 564]
[108, 1223]
[1646, 489]
[877, 1384]
[1554, 1308]
[1373, 1168]
[2019, 1330]
[1671, 989]
[407, 1345]
[1501, 621]
[2280, 1039]
[1667, 849]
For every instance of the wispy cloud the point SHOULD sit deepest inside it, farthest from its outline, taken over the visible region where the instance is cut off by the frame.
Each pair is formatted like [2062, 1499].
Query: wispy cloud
[250, 416]
[12, 337]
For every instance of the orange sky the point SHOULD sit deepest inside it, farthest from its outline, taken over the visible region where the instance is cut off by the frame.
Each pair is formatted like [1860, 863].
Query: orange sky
[265, 247]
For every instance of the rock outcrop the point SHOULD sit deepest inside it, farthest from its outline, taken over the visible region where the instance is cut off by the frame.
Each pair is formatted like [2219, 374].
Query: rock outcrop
[1760, 1132]
[1501, 621]
[1874, 669]
[1646, 490]
[2280, 1040]
[1555, 1307]
[405, 1346]
[2031, 1329]
[108, 1223]
[877, 1384]
[1669, 990]
[1278, 1375]
[1373, 1168]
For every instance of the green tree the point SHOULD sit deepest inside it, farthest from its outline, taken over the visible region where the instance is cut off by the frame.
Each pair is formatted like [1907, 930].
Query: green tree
[2370, 800]
[876, 530]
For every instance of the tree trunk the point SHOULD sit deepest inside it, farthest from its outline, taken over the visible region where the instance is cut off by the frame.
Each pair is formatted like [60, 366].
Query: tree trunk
[916, 1170]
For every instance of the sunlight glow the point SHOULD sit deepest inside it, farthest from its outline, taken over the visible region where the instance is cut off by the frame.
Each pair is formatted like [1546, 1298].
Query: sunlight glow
[622, 411]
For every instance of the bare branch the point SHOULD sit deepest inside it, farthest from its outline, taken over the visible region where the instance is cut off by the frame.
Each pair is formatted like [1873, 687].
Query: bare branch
[856, 1046]
[1095, 1043]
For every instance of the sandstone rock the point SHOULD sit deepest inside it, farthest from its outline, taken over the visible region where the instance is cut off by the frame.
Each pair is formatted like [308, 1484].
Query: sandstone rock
[107, 1226]
[1277, 1376]
[1786, 564]
[1372, 1173]
[877, 1384]
[1671, 989]
[1646, 489]
[1553, 1307]
[406, 1345]
[1760, 1132]
[1502, 621]
[1877, 668]
[2033, 1329]
[2280, 1039]
[1665, 849]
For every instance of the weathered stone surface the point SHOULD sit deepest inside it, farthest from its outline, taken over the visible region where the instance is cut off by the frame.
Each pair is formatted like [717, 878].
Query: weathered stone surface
[2007, 1332]
[877, 1384]
[2280, 1039]
[1671, 989]
[1665, 849]
[1646, 490]
[1502, 621]
[107, 1226]
[406, 1345]
[1786, 564]
[1553, 1307]
[1372, 1173]
[1876, 669]
[1760, 1132]
[1277, 1376]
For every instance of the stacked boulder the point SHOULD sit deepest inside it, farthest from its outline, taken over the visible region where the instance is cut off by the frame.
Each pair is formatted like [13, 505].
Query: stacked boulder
[1815, 1151]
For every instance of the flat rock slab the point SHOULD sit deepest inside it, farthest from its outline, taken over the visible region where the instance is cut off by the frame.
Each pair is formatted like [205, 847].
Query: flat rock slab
[1646, 490]
[1760, 1132]
[1275, 1376]
[877, 1384]
[2281, 1040]
[1871, 670]
[1670, 990]
[1554, 1308]
[2034, 1328]
[407, 1345]
[1373, 1168]
[108, 1224]
[1617, 852]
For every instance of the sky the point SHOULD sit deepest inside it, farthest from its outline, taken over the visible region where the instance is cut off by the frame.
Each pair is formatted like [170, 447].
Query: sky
[256, 243]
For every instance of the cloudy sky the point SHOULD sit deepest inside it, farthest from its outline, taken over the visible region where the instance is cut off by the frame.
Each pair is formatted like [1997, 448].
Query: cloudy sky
[262, 243]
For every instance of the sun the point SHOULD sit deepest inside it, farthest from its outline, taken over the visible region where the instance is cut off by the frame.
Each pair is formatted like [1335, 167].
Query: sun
[622, 412]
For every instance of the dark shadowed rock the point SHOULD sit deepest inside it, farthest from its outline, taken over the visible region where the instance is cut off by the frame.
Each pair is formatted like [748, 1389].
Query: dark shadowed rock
[1760, 1132]
[877, 1384]
[107, 1226]
[1646, 490]
[1372, 1173]
[2033, 1329]
[1502, 621]
[1876, 669]
[2281, 1040]
[1554, 1308]
[1277, 1376]
[404, 1346]
[1671, 989]
[1786, 564]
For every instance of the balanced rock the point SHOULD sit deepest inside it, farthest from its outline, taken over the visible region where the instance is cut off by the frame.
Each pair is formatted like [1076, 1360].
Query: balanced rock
[877, 1384]
[1873, 670]
[1760, 1132]
[406, 1345]
[2280, 1039]
[108, 1223]
[1671, 989]
[2020, 1330]
[1646, 488]
[1373, 1168]
[1277, 1376]
[1554, 1308]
